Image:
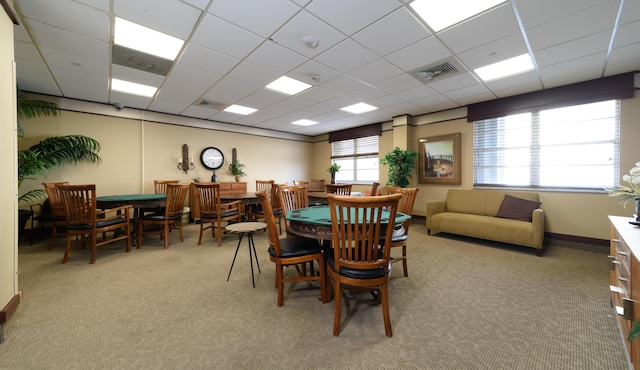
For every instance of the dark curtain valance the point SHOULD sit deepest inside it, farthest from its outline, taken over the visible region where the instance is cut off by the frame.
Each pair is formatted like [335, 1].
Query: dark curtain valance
[614, 87]
[356, 132]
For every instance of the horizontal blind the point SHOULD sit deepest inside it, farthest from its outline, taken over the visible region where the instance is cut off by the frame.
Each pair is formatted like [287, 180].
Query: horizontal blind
[565, 148]
[364, 146]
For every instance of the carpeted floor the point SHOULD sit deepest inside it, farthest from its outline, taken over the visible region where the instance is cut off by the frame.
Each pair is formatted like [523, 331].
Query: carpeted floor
[467, 304]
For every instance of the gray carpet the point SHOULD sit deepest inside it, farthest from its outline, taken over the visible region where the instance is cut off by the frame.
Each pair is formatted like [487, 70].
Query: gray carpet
[466, 305]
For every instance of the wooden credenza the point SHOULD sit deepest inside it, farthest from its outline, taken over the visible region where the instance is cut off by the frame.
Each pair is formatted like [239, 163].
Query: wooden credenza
[624, 279]
[225, 187]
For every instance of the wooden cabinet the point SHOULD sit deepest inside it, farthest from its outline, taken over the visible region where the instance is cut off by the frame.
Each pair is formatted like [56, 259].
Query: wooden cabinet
[624, 278]
[225, 187]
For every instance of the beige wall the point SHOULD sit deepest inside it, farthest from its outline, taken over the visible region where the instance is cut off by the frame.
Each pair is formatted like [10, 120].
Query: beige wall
[8, 168]
[136, 151]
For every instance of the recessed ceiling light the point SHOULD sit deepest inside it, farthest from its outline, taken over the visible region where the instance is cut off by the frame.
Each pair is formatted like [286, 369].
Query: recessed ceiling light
[304, 122]
[288, 85]
[239, 109]
[137, 37]
[441, 14]
[505, 68]
[133, 88]
[359, 108]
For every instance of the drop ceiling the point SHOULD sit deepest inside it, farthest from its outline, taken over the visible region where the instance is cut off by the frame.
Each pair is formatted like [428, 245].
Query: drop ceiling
[368, 51]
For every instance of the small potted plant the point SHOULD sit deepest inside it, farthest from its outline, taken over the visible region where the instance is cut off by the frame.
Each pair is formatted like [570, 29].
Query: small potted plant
[235, 167]
[332, 170]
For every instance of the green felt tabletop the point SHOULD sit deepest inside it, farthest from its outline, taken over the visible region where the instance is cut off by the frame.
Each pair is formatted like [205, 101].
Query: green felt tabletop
[130, 197]
[320, 215]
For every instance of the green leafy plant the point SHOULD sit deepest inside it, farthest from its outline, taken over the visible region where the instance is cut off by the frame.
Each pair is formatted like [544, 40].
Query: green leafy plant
[334, 168]
[401, 166]
[634, 333]
[235, 167]
[52, 152]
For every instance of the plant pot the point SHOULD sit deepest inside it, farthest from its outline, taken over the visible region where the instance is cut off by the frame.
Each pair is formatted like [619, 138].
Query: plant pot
[238, 178]
[636, 214]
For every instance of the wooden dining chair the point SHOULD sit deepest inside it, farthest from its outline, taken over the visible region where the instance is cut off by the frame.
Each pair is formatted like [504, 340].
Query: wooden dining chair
[82, 218]
[213, 211]
[160, 186]
[55, 214]
[292, 197]
[291, 251]
[304, 183]
[401, 231]
[340, 189]
[317, 185]
[358, 224]
[271, 188]
[168, 218]
[374, 190]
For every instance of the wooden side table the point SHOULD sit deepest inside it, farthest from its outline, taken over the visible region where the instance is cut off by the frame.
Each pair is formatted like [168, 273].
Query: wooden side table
[246, 228]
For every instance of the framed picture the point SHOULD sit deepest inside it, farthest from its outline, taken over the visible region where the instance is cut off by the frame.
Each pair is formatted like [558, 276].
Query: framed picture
[440, 160]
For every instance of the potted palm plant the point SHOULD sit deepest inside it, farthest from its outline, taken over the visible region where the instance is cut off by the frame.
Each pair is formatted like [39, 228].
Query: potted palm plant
[401, 166]
[333, 169]
[235, 167]
[41, 158]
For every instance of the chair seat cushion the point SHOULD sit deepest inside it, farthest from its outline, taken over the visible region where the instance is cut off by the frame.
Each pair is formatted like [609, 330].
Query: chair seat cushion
[296, 246]
[222, 214]
[99, 224]
[160, 217]
[276, 212]
[398, 239]
[357, 273]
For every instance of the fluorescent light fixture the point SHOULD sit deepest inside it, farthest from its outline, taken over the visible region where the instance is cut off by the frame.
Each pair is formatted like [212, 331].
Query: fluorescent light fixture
[239, 109]
[137, 37]
[505, 68]
[304, 122]
[359, 108]
[133, 88]
[441, 14]
[288, 85]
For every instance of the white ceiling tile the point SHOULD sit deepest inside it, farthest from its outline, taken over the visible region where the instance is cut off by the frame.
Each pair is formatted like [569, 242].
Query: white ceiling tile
[180, 91]
[517, 89]
[535, 13]
[275, 58]
[192, 75]
[470, 94]
[26, 51]
[346, 56]
[198, 112]
[631, 12]
[200, 4]
[597, 43]
[303, 72]
[71, 16]
[495, 25]
[422, 53]
[342, 85]
[237, 87]
[76, 63]
[416, 92]
[627, 34]
[131, 101]
[167, 16]
[102, 5]
[305, 24]
[215, 34]
[262, 98]
[253, 74]
[376, 71]
[69, 42]
[454, 82]
[510, 82]
[29, 67]
[167, 106]
[208, 60]
[83, 91]
[397, 83]
[494, 52]
[381, 41]
[250, 14]
[79, 77]
[353, 15]
[586, 22]
[137, 76]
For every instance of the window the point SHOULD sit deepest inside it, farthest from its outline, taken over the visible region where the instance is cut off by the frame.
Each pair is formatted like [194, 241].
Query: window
[573, 148]
[357, 158]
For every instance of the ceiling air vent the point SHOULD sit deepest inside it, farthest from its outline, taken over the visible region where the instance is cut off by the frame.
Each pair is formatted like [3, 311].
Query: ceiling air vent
[429, 74]
[209, 104]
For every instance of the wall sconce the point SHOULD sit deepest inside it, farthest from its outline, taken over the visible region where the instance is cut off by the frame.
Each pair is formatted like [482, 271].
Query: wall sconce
[185, 163]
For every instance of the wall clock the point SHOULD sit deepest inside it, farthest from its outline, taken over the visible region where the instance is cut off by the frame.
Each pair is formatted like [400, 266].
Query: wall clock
[212, 158]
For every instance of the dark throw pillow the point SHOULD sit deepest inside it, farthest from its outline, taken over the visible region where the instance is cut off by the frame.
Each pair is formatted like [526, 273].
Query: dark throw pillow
[517, 208]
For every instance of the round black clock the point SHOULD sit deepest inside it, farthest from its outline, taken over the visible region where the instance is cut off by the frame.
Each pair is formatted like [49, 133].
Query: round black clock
[212, 158]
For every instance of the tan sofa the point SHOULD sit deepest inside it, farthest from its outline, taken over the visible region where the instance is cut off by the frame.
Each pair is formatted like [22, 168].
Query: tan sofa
[473, 213]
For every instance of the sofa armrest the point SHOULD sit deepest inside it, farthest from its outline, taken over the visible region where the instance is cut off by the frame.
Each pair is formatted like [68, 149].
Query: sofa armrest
[434, 207]
[537, 219]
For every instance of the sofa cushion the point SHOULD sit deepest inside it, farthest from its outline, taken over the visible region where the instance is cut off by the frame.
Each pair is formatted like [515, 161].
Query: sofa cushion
[517, 208]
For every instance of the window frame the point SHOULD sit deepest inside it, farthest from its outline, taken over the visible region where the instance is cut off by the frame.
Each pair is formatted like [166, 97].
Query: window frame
[354, 155]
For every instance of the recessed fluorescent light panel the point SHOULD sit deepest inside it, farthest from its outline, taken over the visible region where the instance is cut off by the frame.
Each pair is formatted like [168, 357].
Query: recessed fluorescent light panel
[288, 85]
[137, 37]
[133, 88]
[509, 67]
[441, 14]
[239, 109]
[359, 108]
[304, 122]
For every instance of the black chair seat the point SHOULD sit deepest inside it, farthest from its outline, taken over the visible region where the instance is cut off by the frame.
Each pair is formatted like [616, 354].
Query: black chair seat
[160, 217]
[296, 246]
[99, 224]
[357, 273]
[401, 238]
[215, 215]
[261, 212]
